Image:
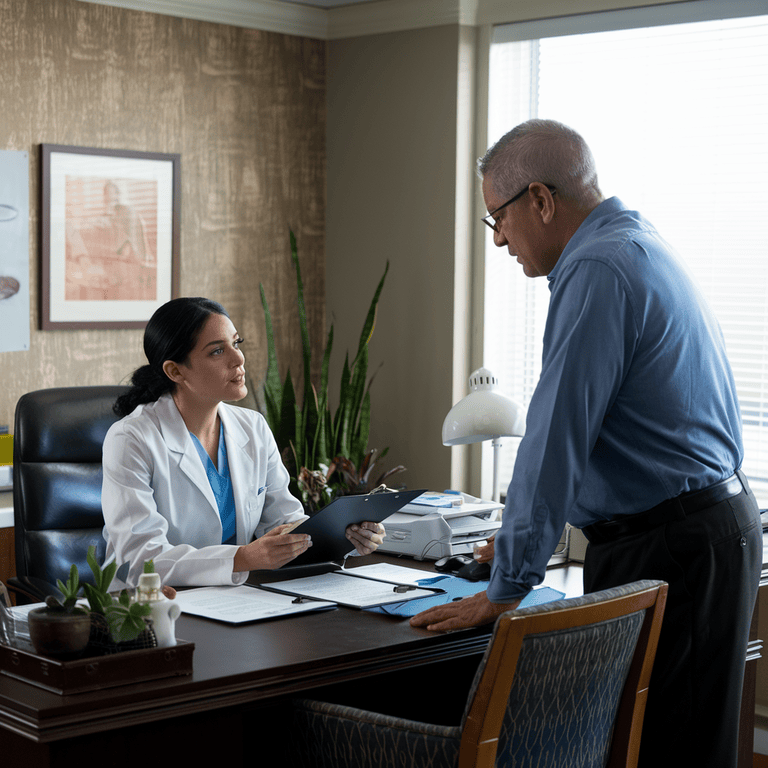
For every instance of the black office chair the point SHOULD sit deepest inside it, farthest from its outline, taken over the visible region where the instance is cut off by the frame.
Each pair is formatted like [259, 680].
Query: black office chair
[57, 484]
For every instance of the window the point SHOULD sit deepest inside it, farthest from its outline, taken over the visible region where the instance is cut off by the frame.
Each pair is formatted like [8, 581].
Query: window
[677, 117]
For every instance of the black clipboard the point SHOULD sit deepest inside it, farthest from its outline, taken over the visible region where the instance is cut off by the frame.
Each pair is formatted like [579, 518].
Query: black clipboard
[328, 527]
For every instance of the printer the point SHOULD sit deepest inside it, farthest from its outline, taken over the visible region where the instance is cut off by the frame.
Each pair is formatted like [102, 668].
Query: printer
[440, 526]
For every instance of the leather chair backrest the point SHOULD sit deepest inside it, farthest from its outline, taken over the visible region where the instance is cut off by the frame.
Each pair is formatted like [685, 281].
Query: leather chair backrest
[57, 478]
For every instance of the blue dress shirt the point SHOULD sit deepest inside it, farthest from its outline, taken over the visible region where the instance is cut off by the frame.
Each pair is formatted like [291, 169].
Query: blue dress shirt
[636, 402]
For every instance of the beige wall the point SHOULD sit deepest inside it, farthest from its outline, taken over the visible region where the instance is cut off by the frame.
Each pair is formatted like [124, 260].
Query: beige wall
[392, 133]
[246, 111]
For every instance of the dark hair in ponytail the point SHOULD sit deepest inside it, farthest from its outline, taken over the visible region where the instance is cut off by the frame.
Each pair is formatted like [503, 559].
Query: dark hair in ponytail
[171, 334]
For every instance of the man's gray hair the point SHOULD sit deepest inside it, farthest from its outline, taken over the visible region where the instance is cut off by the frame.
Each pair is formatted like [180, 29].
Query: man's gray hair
[544, 151]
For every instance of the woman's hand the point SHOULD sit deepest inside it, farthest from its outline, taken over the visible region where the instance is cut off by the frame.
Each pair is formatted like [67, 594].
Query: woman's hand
[366, 536]
[272, 550]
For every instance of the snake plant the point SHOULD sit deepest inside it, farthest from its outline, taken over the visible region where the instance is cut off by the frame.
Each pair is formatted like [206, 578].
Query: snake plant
[313, 441]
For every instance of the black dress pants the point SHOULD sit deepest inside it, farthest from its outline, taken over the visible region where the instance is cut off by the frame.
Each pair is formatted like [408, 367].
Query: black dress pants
[712, 561]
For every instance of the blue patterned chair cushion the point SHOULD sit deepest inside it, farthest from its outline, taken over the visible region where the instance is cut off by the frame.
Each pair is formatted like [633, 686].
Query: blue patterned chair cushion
[343, 737]
[565, 696]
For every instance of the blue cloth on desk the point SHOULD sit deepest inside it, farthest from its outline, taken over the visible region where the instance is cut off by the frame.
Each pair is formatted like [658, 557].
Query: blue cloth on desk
[455, 589]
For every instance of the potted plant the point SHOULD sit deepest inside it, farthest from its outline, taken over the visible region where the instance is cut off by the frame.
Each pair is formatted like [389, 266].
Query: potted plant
[65, 628]
[62, 627]
[326, 454]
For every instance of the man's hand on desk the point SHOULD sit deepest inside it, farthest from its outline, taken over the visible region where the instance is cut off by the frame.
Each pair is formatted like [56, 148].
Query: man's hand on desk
[485, 553]
[469, 612]
[366, 537]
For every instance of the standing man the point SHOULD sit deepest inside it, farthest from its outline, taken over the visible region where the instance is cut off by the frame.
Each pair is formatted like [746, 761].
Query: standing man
[633, 435]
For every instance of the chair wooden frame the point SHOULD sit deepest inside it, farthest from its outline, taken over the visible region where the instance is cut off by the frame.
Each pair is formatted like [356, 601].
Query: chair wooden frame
[483, 724]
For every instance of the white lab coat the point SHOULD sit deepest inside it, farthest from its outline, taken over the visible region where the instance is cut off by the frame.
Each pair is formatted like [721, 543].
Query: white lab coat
[158, 503]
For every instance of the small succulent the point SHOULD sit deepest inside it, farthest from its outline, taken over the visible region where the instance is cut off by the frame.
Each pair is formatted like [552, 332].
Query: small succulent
[125, 618]
[98, 593]
[70, 594]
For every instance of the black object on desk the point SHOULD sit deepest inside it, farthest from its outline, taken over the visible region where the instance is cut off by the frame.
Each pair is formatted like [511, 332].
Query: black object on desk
[465, 567]
[329, 526]
[475, 571]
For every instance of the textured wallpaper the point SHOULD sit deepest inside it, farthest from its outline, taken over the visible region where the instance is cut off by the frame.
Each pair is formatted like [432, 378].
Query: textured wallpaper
[246, 111]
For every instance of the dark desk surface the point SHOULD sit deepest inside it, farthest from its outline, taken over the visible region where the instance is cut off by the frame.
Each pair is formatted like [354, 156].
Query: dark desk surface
[248, 663]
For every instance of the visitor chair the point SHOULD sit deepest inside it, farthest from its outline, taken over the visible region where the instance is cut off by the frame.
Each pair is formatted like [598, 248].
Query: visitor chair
[561, 685]
[57, 484]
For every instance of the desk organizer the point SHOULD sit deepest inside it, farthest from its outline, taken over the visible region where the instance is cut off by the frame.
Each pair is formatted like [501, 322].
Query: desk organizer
[90, 674]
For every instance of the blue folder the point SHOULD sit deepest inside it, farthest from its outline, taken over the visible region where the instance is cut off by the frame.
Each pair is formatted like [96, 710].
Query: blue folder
[456, 588]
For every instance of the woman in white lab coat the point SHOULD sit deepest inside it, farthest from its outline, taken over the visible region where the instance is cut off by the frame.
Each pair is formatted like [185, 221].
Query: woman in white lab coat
[189, 481]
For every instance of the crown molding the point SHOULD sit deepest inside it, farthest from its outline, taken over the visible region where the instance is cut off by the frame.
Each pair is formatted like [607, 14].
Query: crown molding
[310, 21]
[369, 18]
[398, 16]
[267, 15]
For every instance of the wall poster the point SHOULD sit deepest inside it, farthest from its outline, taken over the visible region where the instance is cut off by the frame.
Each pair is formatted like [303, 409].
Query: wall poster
[14, 251]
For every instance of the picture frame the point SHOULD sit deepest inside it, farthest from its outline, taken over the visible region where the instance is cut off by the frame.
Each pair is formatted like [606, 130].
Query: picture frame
[110, 236]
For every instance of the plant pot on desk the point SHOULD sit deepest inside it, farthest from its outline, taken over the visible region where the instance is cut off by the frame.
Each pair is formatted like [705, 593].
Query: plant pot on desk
[59, 634]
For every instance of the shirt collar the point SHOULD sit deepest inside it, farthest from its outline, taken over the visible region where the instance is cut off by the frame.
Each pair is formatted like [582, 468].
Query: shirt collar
[585, 230]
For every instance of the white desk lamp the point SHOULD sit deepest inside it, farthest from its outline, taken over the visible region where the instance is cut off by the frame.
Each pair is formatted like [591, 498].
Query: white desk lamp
[484, 414]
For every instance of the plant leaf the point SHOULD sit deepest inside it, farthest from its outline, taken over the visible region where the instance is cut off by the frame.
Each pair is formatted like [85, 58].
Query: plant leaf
[272, 387]
[362, 433]
[370, 320]
[305, 345]
[389, 473]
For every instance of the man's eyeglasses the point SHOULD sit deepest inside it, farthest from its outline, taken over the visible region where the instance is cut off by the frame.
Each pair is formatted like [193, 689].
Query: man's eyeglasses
[492, 223]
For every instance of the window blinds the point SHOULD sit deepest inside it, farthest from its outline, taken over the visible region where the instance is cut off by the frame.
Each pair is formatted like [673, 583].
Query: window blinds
[677, 117]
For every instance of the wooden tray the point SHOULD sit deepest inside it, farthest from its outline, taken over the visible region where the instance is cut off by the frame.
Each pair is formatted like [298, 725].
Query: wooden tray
[90, 674]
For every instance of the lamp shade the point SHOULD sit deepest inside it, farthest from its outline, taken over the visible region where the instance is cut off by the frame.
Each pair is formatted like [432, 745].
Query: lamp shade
[483, 414]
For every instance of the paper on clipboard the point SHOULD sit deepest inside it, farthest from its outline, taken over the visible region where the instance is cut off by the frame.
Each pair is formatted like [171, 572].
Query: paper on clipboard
[344, 588]
[237, 605]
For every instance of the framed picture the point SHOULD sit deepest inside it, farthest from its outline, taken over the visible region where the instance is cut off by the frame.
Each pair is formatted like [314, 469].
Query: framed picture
[110, 236]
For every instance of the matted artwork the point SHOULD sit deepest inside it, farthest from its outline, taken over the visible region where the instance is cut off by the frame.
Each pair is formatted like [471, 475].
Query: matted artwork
[110, 236]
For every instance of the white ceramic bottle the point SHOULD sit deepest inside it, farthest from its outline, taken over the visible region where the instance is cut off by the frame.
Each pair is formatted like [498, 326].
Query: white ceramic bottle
[164, 611]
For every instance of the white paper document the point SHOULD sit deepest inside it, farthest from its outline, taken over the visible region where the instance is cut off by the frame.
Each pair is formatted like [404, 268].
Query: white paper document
[402, 574]
[344, 588]
[236, 605]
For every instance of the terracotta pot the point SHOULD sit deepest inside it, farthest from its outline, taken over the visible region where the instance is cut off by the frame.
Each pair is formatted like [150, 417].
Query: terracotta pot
[59, 634]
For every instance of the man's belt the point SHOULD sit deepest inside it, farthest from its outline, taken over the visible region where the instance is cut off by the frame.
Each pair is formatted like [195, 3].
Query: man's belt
[672, 509]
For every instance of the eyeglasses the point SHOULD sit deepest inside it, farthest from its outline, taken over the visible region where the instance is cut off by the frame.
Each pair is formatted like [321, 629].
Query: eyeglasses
[492, 223]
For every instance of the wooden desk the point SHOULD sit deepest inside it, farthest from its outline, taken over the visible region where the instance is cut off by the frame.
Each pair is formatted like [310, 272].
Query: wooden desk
[200, 716]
